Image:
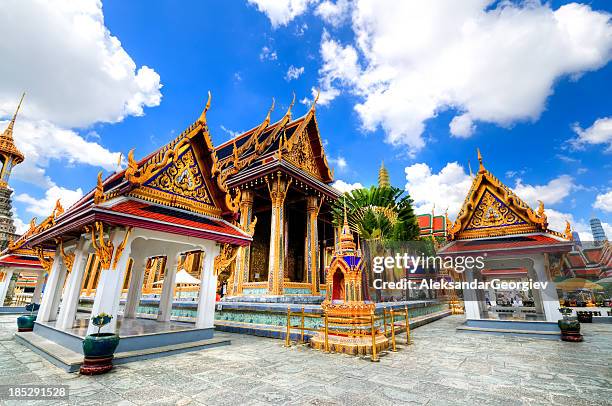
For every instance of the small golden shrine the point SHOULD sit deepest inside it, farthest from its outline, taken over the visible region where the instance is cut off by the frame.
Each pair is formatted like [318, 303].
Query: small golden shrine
[346, 303]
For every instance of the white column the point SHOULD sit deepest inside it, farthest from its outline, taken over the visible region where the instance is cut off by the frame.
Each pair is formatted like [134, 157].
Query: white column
[470, 299]
[8, 274]
[167, 295]
[72, 291]
[40, 280]
[108, 292]
[549, 297]
[53, 290]
[135, 288]
[208, 290]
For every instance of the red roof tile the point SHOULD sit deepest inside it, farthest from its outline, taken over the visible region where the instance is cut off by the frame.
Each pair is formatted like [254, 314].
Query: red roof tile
[537, 240]
[20, 261]
[173, 216]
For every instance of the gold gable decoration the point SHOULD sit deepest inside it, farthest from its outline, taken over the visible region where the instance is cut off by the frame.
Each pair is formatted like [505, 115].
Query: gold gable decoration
[492, 209]
[184, 178]
[299, 153]
[491, 212]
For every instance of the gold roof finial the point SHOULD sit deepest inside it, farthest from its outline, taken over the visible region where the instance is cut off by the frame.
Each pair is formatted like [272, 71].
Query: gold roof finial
[290, 107]
[6, 139]
[568, 231]
[203, 115]
[481, 168]
[316, 99]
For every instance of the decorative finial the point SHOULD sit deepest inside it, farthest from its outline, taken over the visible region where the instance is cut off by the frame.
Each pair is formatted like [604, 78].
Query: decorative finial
[433, 212]
[568, 231]
[540, 208]
[481, 168]
[290, 107]
[383, 176]
[203, 115]
[99, 192]
[316, 99]
[267, 120]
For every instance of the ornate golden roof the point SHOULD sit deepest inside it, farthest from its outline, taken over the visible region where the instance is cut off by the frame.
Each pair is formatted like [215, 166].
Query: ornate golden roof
[7, 146]
[492, 209]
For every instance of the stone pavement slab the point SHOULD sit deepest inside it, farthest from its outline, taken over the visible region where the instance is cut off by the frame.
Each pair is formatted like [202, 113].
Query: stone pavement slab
[441, 367]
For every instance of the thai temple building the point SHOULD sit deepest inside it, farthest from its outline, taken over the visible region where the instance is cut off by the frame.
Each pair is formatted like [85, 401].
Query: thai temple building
[517, 245]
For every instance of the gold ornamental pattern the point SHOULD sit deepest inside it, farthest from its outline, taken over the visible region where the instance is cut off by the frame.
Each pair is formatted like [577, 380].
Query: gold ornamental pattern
[491, 212]
[183, 178]
[301, 155]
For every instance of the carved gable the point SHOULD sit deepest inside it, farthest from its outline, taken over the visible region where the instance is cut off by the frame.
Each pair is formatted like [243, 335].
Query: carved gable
[491, 209]
[492, 212]
[183, 178]
[180, 183]
[300, 154]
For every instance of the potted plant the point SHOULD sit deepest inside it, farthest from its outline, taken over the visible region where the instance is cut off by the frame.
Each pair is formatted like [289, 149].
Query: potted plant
[570, 328]
[26, 322]
[99, 348]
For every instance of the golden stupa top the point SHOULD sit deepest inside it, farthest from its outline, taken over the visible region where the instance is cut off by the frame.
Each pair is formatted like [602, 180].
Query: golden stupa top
[347, 242]
[7, 146]
[383, 176]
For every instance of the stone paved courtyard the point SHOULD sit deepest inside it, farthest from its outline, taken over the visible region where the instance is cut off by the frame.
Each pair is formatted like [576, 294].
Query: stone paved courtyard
[441, 367]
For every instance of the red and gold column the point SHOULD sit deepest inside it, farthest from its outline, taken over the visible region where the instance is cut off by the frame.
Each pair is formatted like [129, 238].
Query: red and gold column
[278, 188]
[311, 255]
[241, 273]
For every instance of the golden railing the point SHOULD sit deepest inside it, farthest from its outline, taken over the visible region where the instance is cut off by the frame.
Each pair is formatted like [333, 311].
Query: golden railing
[355, 326]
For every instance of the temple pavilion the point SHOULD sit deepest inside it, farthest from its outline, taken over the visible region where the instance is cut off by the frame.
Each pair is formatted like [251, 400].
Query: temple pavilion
[517, 245]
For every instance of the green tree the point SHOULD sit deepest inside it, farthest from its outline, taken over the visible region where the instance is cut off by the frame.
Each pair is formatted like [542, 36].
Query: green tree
[378, 213]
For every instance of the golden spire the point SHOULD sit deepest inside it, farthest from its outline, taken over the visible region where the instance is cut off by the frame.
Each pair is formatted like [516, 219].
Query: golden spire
[7, 145]
[346, 236]
[481, 168]
[383, 176]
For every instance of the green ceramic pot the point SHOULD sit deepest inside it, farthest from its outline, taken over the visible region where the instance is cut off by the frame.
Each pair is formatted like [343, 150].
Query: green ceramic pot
[26, 323]
[569, 326]
[102, 345]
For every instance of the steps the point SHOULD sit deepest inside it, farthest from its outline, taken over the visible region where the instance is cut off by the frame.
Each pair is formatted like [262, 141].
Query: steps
[71, 361]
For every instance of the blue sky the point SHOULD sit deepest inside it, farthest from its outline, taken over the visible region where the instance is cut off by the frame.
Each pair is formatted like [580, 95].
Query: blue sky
[392, 82]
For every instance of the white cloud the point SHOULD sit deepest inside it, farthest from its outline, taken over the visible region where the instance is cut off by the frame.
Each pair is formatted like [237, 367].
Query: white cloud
[556, 222]
[603, 201]
[334, 13]
[462, 126]
[598, 133]
[340, 162]
[281, 12]
[74, 71]
[495, 61]
[446, 189]
[344, 187]
[75, 74]
[44, 206]
[553, 192]
[340, 67]
[41, 142]
[20, 226]
[294, 73]
[231, 133]
[267, 54]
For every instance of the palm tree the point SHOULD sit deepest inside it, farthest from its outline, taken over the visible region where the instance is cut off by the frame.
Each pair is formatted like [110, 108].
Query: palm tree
[378, 213]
